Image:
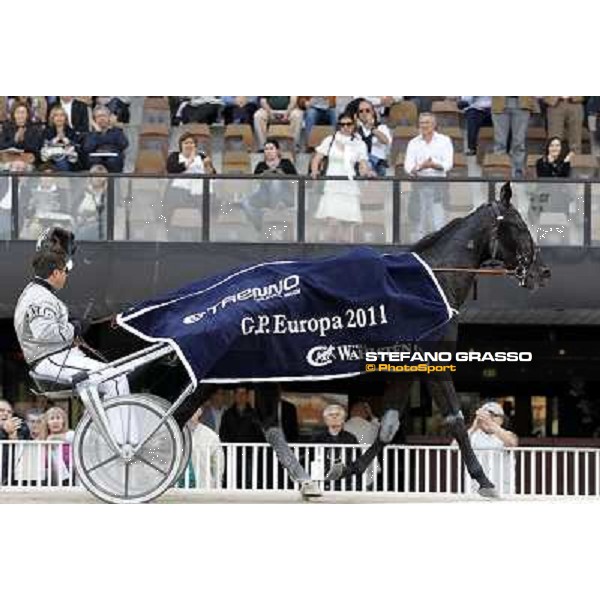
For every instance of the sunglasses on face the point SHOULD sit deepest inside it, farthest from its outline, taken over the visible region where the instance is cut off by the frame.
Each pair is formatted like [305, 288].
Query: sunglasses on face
[347, 124]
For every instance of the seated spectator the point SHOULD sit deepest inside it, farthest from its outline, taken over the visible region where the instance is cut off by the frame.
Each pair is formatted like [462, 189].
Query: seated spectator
[489, 440]
[11, 428]
[91, 213]
[381, 104]
[30, 459]
[207, 462]
[346, 154]
[278, 109]
[20, 133]
[105, 145]
[376, 136]
[478, 114]
[118, 106]
[272, 193]
[55, 427]
[430, 154]
[556, 161]
[334, 417]
[361, 424]
[198, 109]
[565, 115]
[239, 109]
[77, 112]
[318, 110]
[189, 161]
[37, 105]
[60, 142]
[510, 117]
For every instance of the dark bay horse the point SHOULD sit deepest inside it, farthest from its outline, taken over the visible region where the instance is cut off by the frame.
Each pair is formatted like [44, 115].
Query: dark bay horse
[493, 234]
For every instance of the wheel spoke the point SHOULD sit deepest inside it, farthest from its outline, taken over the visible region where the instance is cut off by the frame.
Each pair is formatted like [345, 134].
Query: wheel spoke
[103, 463]
[147, 462]
[126, 486]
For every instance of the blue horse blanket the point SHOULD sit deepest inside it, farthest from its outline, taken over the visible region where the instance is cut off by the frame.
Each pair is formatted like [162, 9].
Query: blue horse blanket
[295, 320]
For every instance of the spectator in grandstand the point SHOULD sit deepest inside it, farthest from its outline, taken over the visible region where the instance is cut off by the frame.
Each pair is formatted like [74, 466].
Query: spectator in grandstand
[118, 107]
[20, 134]
[490, 440]
[16, 166]
[77, 112]
[239, 109]
[556, 161]
[510, 116]
[186, 193]
[30, 460]
[91, 212]
[278, 109]
[346, 155]
[375, 135]
[592, 108]
[55, 428]
[37, 105]
[11, 428]
[273, 193]
[34, 419]
[105, 145]
[565, 115]
[381, 104]
[318, 110]
[478, 114]
[429, 155]
[213, 409]
[60, 142]
[207, 462]
[198, 109]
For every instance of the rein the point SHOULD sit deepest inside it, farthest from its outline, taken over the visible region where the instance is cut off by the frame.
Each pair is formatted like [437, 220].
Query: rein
[472, 270]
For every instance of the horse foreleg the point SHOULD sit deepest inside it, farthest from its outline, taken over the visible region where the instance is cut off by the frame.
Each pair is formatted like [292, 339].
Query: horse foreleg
[444, 395]
[267, 405]
[395, 400]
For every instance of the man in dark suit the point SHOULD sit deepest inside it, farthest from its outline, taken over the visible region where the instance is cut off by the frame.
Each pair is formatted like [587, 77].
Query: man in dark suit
[77, 113]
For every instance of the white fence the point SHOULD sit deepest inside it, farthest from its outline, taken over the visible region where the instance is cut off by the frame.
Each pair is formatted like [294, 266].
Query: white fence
[403, 469]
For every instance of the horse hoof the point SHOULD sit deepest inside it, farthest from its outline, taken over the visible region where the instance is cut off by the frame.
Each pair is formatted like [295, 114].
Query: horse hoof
[390, 423]
[489, 492]
[337, 471]
[310, 489]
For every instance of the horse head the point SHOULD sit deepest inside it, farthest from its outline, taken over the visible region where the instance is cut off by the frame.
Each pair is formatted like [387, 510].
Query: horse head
[58, 239]
[511, 243]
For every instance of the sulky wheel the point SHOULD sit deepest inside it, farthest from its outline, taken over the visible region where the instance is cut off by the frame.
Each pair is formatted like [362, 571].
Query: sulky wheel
[130, 478]
[187, 442]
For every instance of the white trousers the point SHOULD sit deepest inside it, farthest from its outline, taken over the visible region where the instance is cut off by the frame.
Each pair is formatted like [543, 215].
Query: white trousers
[63, 366]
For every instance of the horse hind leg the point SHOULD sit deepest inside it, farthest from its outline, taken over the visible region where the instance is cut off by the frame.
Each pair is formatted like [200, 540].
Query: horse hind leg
[444, 395]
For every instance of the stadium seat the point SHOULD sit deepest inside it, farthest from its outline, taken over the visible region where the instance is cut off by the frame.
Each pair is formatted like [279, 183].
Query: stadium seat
[402, 135]
[460, 167]
[150, 161]
[584, 166]
[238, 137]
[236, 162]
[317, 134]
[399, 165]
[497, 165]
[446, 113]
[456, 135]
[154, 137]
[156, 110]
[485, 144]
[403, 113]
[283, 134]
[531, 162]
[536, 140]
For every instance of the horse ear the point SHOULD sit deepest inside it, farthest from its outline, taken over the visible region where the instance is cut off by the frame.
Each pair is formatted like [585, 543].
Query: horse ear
[505, 194]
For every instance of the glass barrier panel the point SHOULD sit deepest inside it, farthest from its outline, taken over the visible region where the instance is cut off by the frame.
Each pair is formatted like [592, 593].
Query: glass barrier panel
[69, 202]
[595, 214]
[158, 210]
[5, 207]
[553, 210]
[253, 210]
[349, 211]
[426, 205]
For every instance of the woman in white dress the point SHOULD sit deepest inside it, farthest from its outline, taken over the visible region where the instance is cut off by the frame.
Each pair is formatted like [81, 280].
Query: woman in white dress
[340, 203]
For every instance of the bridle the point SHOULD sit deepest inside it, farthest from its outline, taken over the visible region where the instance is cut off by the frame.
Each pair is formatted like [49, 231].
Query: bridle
[522, 267]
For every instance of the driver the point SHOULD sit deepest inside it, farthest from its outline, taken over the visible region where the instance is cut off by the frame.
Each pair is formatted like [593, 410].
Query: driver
[48, 339]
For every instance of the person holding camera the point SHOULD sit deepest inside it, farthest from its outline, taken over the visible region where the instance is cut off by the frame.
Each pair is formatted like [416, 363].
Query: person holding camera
[375, 135]
[274, 192]
[12, 428]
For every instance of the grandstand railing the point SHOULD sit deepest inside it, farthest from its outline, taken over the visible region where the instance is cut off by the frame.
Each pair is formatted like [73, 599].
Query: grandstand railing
[545, 472]
[150, 208]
